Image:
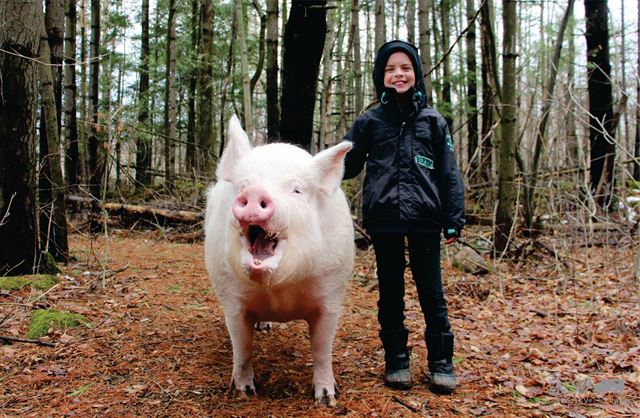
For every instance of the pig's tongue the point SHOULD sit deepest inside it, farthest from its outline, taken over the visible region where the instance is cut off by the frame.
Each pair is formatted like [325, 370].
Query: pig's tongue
[262, 246]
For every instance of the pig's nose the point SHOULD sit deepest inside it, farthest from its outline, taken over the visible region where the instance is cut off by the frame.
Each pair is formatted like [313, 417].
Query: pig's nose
[253, 205]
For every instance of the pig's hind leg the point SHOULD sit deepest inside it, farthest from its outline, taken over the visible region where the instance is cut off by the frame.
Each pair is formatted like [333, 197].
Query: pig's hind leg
[240, 328]
[322, 327]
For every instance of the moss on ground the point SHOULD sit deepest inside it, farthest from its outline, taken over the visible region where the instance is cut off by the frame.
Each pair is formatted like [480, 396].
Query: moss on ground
[37, 281]
[43, 319]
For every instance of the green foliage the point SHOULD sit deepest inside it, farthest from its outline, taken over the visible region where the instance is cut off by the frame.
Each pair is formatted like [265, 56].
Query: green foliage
[43, 319]
[37, 281]
[48, 264]
[80, 391]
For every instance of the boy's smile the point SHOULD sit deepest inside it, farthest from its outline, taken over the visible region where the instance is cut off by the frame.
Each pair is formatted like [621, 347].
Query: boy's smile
[398, 73]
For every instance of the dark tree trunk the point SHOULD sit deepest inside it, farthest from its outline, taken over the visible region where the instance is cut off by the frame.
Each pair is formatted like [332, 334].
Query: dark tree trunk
[600, 102]
[54, 22]
[53, 218]
[18, 110]
[472, 94]
[72, 160]
[205, 88]
[273, 109]
[303, 44]
[636, 165]
[97, 153]
[191, 101]
[143, 142]
[490, 93]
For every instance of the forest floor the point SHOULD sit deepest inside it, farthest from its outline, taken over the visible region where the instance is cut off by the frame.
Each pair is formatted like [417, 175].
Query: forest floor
[541, 338]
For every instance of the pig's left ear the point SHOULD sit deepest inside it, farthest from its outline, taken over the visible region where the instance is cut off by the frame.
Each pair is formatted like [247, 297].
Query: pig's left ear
[330, 164]
[237, 147]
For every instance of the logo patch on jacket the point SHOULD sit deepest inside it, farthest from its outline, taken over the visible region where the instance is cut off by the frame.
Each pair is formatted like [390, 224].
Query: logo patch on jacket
[449, 143]
[424, 161]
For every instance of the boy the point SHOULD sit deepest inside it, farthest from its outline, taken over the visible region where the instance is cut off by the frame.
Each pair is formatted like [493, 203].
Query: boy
[412, 189]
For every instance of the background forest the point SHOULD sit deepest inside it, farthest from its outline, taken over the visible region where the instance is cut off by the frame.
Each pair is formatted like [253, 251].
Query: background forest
[128, 101]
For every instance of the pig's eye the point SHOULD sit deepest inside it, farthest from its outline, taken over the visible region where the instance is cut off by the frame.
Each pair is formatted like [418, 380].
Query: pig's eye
[297, 189]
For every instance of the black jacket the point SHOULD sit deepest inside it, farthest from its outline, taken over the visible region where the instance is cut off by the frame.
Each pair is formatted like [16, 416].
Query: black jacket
[412, 181]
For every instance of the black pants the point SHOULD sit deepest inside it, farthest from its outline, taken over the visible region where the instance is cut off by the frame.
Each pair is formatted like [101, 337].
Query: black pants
[424, 260]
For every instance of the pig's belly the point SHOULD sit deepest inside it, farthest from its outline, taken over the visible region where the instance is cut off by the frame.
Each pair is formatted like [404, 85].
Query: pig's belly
[285, 304]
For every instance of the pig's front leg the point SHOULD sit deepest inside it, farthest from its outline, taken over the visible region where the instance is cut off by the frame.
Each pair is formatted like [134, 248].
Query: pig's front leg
[240, 327]
[322, 327]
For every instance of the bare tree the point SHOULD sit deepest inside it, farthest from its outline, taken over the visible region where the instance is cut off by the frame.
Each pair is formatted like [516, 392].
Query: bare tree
[205, 88]
[425, 45]
[601, 131]
[380, 27]
[170, 102]
[97, 148]
[72, 160]
[244, 63]
[506, 162]
[144, 147]
[273, 110]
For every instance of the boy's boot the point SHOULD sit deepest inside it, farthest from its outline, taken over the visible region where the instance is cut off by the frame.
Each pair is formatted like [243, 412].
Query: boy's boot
[397, 374]
[440, 354]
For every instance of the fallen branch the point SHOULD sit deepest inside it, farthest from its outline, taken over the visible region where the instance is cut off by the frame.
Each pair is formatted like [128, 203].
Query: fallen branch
[181, 216]
[25, 340]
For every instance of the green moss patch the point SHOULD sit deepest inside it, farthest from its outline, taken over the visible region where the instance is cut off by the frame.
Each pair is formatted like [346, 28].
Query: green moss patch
[43, 319]
[37, 281]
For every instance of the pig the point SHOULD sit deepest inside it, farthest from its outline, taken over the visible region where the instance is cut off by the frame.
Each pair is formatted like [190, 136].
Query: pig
[279, 246]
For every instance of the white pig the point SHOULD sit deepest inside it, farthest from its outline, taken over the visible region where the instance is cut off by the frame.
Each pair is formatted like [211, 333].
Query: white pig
[279, 247]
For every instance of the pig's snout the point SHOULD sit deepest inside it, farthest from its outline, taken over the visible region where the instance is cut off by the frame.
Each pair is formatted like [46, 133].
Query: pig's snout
[253, 205]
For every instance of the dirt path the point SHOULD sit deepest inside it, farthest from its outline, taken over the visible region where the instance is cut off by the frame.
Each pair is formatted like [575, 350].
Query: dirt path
[159, 346]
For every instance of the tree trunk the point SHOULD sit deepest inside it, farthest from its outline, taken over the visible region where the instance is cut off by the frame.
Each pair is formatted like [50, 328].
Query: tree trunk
[380, 26]
[205, 89]
[506, 171]
[53, 218]
[472, 94]
[445, 106]
[191, 163]
[600, 103]
[326, 107]
[425, 45]
[261, 49]
[72, 160]
[170, 102]
[97, 151]
[636, 165]
[143, 141]
[247, 112]
[357, 60]
[54, 23]
[303, 43]
[18, 110]
[410, 18]
[490, 93]
[273, 110]
[83, 127]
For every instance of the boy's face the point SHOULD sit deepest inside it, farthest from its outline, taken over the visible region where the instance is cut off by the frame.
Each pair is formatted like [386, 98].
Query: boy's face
[398, 73]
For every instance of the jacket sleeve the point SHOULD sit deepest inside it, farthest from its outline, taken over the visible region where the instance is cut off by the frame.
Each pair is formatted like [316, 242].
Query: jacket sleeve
[451, 185]
[355, 159]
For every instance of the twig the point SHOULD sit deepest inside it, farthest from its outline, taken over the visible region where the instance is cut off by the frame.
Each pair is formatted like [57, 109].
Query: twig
[25, 340]
[405, 404]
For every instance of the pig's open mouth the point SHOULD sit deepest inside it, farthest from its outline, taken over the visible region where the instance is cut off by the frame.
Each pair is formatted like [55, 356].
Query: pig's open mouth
[262, 244]
[262, 249]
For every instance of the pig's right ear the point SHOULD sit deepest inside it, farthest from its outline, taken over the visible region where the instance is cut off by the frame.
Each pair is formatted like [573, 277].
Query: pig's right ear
[330, 162]
[237, 147]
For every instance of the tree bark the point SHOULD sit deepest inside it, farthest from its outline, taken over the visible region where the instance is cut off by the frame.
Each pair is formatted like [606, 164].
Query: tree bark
[72, 160]
[205, 89]
[170, 102]
[261, 49]
[445, 106]
[490, 93]
[380, 26]
[410, 18]
[191, 160]
[303, 43]
[636, 165]
[273, 109]
[506, 170]
[472, 93]
[54, 23]
[19, 36]
[326, 107]
[425, 45]
[601, 134]
[97, 150]
[144, 147]
[357, 60]
[247, 111]
[53, 218]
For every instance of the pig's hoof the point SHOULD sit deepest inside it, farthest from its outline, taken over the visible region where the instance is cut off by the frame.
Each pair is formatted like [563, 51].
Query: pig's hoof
[263, 326]
[247, 391]
[326, 398]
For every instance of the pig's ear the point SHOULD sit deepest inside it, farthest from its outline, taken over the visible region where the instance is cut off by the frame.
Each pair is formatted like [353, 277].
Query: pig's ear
[236, 148]
[330, 163]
